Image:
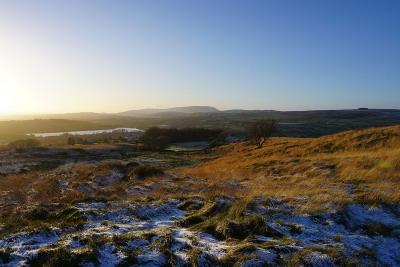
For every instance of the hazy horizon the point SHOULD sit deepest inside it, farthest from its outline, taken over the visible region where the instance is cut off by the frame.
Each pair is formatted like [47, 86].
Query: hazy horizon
[107, 57]
[10, 115]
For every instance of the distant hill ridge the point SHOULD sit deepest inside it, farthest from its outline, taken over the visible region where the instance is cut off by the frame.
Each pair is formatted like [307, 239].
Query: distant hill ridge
[200, 110]
[155, 112]
[188, 109]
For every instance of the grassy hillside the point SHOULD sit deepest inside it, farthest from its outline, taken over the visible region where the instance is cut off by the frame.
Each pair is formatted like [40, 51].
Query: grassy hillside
[361, 166]
[329, 201]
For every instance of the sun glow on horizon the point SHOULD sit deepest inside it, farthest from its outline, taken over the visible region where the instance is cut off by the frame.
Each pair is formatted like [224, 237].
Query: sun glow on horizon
[8, 103]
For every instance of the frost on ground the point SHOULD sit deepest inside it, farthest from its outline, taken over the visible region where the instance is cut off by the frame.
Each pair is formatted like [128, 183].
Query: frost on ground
[368, 234]
[114, 231]
[123, 233]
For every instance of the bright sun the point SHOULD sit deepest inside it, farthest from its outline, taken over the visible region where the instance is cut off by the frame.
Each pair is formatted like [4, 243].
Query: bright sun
[7, 102]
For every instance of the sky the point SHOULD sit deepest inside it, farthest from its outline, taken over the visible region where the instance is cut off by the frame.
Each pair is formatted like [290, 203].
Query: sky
[110, 56]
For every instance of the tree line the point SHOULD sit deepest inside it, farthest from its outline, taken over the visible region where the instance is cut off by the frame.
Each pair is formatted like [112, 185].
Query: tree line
[156, 138]
[160, 138]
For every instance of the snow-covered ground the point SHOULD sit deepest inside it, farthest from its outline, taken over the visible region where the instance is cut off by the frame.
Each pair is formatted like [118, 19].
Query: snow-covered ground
[112, 219]
[146, 228]
[354, 230]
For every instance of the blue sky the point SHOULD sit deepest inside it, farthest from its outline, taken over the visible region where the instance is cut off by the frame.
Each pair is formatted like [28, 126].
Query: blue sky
[105, 56]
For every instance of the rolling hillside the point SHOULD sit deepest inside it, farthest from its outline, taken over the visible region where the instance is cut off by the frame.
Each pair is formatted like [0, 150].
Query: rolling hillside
[361, 166]
[328, 201]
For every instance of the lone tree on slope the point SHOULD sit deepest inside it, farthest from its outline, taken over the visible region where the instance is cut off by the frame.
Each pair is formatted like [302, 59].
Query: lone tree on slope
[260, 131]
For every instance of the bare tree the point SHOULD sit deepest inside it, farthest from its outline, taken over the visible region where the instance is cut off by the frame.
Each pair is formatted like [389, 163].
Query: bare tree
[260, 131]
[71, 141]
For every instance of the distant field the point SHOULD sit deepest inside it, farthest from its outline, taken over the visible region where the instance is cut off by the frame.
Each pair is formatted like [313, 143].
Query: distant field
[292, 123]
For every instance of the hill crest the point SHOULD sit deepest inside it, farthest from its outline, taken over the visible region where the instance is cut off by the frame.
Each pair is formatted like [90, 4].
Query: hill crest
[174, 110]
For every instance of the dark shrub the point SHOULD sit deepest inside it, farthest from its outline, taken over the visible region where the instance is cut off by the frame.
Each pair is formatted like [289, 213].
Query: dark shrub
[71, 141]
[158, 143]
[144, 171]
[132, 164]
[160, 138]
[39, 213]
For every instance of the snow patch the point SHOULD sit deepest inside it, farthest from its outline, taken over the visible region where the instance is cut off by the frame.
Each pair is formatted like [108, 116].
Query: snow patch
[359, 215]
[317, 259]
[152, 259]
[206, 242]
[27, 245]
[388, 252]
[109, 256]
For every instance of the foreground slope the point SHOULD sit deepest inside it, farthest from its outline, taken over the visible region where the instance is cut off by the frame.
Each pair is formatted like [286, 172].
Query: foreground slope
[330, 201]
[362, 166]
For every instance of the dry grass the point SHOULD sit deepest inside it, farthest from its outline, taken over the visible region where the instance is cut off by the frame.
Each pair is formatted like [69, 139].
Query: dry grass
[359, 166]
[313, 173]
